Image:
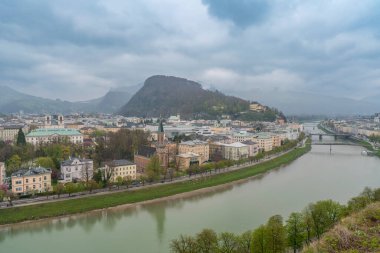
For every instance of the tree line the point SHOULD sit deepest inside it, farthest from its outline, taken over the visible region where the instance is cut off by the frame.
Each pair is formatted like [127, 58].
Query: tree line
[277, 235]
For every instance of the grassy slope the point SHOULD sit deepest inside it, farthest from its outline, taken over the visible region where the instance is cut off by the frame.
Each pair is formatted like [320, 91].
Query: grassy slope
[39, 211]
[359, 232]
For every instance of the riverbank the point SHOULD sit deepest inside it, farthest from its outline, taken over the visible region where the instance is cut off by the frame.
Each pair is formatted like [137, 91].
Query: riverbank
[74, 206]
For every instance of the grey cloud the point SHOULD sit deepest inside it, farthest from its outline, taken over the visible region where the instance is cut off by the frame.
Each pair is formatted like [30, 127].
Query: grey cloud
[241, 12]
[54, 47]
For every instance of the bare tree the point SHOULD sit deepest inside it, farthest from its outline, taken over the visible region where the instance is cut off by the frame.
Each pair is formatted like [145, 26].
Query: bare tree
[108, 172]
[87, 172]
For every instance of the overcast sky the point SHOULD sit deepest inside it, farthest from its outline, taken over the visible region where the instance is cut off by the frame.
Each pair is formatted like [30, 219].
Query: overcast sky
[79, 49]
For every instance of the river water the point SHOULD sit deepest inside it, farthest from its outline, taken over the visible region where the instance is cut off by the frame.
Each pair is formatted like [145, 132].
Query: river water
[150, 227]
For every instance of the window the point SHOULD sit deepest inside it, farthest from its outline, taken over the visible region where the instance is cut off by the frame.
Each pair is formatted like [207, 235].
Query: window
[44, 177]
[18, 189]
[18, 182]
[26, 180]
[34, 180]
[40, 179]
[34, 187]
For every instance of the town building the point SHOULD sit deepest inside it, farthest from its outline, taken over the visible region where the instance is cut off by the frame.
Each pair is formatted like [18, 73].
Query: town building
[31, 180]
[198, 147]
[242, 136]
[174, 119]
[276, 140]
[234, 151]
[253, 148]
[216, 151]
[119, 168]
[265, 141]
[185, 160]
[256, 107]
[142, 158]
[9, 133]
[51, 135]
[77, 169]
[2, 173]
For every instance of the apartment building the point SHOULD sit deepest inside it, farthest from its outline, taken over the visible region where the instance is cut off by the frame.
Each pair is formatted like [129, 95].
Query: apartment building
[77, 169]
[265, 141]
[33, 179]
[197, 147]
[119, 168]
[233, 151]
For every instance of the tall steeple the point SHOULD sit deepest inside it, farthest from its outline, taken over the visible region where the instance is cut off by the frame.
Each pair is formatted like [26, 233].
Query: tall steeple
[161, 134]
[161, 127]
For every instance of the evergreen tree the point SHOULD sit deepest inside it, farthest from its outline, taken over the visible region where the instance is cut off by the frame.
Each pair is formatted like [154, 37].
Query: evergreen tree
[21, 138]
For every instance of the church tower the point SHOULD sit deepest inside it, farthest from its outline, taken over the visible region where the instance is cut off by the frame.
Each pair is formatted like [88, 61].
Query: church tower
[161, 146]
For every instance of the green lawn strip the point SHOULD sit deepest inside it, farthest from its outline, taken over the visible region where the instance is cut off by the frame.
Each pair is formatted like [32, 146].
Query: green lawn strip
[72, 206]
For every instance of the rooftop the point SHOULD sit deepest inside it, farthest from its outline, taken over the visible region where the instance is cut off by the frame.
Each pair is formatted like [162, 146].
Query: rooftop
[122, 162]
[72, 159]
[53, 131]
[146, 151]
[194, 142]
[31, 172]
[236, 145]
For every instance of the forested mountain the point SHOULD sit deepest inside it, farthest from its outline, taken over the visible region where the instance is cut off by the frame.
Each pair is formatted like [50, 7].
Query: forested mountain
[168, 95]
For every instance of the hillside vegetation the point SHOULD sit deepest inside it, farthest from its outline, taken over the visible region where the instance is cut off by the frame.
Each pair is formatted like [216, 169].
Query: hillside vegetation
[359, 232]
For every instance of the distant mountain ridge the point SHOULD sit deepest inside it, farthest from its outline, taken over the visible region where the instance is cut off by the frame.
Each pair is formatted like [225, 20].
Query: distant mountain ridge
[169, 95]
[303, 103]
[12, 101]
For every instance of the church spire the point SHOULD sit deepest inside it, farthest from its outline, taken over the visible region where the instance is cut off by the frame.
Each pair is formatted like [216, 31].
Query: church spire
[161, 127]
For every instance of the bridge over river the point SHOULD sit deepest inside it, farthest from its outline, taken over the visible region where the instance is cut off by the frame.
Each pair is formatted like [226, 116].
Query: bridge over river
[335, 135]
[335, 143]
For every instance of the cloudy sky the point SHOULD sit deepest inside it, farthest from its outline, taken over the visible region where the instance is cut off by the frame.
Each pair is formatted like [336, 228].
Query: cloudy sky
[79, 49]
